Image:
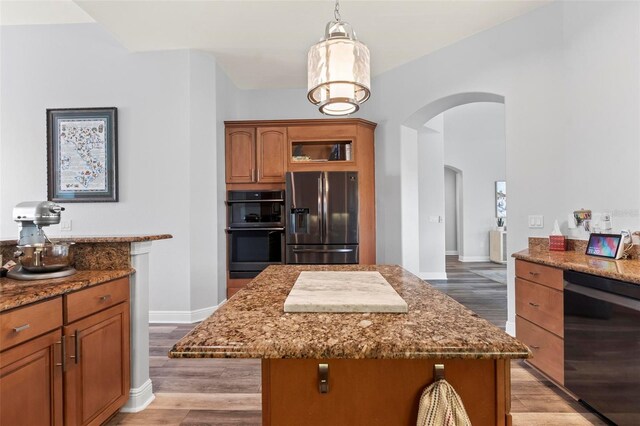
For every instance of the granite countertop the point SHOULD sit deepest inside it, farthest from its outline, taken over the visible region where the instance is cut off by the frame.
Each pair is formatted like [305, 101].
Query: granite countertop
[101, 239]
[624, 270]
[15, 293]
[253, 324]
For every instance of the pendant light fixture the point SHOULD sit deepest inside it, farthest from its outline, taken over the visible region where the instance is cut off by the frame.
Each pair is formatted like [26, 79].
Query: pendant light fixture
[338, 69]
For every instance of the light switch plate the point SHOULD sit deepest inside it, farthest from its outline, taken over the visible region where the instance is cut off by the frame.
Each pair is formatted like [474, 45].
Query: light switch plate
[536, 221]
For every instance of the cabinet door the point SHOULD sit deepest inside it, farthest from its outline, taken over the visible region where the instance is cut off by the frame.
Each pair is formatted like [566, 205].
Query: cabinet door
[271, 157]
[31, 382]
[97, 376]
[240, 155]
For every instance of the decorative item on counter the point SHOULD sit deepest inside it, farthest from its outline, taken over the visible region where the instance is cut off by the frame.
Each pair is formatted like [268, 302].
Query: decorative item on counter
[605, 222]
[557, 241]
[7, 267]
[580, 216]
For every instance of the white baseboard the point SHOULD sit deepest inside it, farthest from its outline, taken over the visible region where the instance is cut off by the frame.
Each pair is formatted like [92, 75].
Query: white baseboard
[510, 328]
[432, 275]
[474, 258]
[139, 398]
[182, 317]
[451, 252]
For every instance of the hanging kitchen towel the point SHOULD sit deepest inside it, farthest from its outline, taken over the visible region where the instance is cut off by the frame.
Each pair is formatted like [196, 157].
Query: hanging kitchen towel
[440, 405]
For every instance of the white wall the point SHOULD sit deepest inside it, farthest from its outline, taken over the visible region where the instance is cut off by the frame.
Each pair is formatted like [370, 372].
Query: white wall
[527, 61]
[602, 123]
[166, 116]
[450, 215]
[430, 155]
[227, 107]
[474, 142]
[407, 219]
[203, 179]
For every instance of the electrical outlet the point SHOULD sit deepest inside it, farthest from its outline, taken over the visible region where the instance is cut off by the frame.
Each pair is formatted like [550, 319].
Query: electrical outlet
[65, 225]
[536, 221]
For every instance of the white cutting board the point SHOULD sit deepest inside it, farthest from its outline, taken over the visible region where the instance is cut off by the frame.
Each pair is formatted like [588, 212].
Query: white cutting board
[342, 291]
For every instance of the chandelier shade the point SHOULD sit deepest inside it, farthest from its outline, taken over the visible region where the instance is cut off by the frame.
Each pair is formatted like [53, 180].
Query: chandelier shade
[338, 71]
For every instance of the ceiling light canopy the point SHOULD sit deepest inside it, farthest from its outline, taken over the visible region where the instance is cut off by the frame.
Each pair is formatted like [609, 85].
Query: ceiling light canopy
[338, 69]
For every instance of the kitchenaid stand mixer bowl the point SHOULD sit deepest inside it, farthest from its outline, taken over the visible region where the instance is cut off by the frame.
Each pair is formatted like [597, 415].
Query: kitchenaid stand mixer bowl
[38, 257]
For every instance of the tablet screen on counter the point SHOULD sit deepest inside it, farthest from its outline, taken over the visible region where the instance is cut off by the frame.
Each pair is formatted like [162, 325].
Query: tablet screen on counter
[604, 245]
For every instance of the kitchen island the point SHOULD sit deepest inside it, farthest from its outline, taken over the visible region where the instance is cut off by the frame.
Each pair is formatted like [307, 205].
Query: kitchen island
[378, 363]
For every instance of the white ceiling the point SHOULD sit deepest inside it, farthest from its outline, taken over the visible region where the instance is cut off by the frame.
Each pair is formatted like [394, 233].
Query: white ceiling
[263, 44]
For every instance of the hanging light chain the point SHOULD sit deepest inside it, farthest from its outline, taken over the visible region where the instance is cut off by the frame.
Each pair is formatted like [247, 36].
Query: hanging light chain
[336, 12]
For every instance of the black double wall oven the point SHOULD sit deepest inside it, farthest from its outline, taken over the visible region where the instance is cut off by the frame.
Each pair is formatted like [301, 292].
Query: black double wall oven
[255, 232]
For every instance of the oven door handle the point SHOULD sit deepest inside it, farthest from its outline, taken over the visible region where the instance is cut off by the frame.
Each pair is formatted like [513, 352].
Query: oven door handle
[253, 229]
[322, 250]
[627, 302]
[274, 200]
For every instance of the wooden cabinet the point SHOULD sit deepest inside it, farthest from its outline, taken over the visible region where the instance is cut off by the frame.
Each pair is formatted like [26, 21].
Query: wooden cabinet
[240, 155]
[539, 316]
[27, 322]
[271, 150]
[378, 391]
[255, 155]
[80, 339]
[234, 285]
[31, 382]
[259, 153]
[97, 378]
[547, 348]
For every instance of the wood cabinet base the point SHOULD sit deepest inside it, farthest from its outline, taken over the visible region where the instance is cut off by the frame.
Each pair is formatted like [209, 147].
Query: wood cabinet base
[379, 392]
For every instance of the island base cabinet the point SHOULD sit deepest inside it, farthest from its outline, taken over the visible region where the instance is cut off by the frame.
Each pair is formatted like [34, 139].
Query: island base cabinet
[97, 376]
[31, 382]
[379, 392]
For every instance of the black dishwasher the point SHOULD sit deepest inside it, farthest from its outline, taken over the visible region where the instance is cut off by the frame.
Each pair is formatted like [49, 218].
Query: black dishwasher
[602, 345]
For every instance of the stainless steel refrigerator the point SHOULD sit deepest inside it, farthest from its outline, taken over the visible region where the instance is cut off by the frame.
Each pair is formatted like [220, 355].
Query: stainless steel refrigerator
[322, 225]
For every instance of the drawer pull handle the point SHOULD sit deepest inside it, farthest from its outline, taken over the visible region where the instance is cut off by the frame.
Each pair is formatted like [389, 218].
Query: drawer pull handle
[534, 273]
[323, 378]
[534, 347]
[105, 297]
[21, 328]
[63, 354]
[76, 344]
[535, 305]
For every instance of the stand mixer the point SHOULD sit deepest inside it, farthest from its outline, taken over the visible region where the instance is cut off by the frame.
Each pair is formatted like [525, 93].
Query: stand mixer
[38, 257]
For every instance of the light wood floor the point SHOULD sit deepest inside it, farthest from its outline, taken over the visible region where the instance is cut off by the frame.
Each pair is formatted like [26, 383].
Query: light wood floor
[227, 391]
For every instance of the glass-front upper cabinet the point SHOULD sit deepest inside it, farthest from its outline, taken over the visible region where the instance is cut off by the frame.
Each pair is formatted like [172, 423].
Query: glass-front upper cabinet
[321, 151]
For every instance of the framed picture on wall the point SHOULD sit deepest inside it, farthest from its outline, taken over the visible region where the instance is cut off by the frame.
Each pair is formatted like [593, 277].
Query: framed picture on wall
[82, 155]
[501, 198]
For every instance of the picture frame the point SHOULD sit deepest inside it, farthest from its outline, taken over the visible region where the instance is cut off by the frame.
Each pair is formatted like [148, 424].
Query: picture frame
[501, 198]
[82, 155]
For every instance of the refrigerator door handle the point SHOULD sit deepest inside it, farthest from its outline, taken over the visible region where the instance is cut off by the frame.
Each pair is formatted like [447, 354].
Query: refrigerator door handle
[321, 206]
[325, 207]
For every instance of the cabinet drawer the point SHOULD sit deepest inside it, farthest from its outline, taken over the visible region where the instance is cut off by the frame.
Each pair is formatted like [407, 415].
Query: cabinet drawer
[541, 305]
[94, 299]
[22, 324]
[541, 274]
[547, 348]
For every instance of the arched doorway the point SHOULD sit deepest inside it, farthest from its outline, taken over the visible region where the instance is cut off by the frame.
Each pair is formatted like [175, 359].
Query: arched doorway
[423, 233]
